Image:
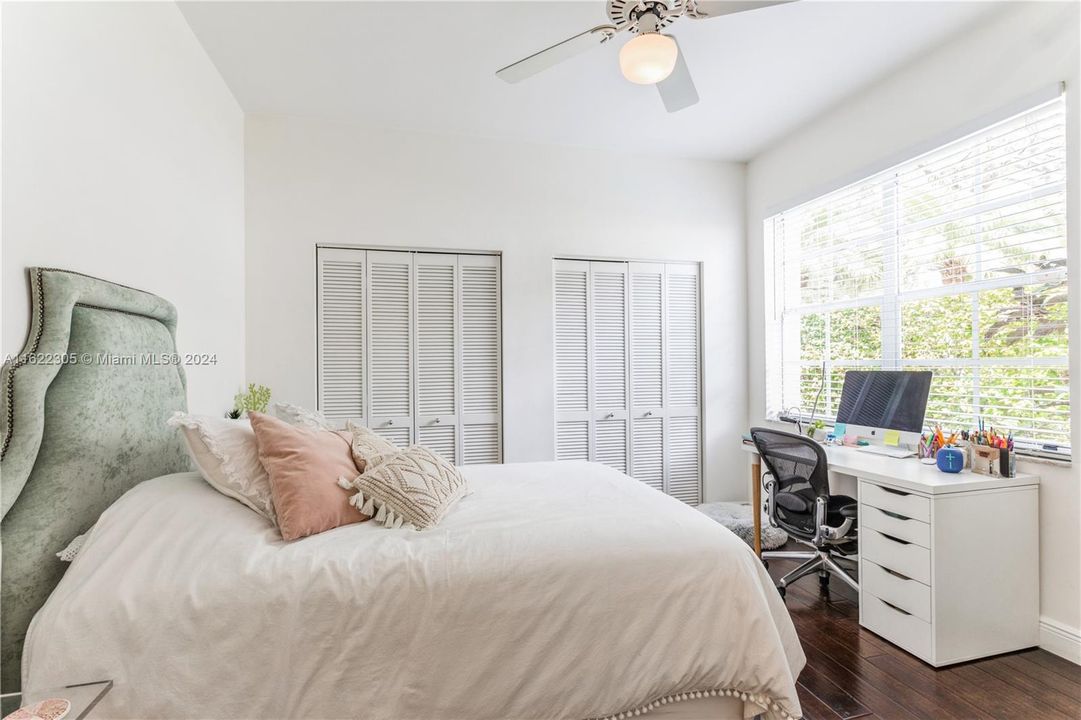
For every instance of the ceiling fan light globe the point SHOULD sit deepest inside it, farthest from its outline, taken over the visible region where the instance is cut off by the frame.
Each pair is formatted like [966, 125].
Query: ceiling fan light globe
[648, 58]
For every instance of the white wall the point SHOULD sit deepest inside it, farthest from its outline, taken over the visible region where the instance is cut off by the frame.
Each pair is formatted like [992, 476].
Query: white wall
[123, 158]
[310, 182]
[1014, 54]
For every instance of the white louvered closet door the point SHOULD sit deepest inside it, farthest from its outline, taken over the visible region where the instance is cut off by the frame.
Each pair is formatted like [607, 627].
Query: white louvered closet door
[608, 320]
[390, 345]
[341, 334]
[480, 432]
[436, 360]
[647, 372]
[572, 359]
[627, 370]
[410, 345]
[682, 373]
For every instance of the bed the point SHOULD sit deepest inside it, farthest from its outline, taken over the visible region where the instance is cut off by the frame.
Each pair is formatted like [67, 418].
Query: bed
[554, 590]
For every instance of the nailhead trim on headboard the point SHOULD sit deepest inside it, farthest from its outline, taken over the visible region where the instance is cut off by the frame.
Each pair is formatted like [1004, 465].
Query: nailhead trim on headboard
[21, 359]
[94, 277]
[9, 379]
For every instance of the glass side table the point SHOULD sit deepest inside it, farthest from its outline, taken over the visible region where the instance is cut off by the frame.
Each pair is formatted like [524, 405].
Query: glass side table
[83, 697]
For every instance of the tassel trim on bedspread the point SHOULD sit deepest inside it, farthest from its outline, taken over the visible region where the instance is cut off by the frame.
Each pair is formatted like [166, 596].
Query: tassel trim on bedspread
[377, 511]
[759, 700]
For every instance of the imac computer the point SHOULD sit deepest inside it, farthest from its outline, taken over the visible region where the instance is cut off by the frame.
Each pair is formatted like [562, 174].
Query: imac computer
[876, 401]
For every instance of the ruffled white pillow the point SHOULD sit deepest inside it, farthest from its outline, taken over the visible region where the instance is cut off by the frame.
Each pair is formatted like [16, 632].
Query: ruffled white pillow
[225, 452]
[301, 417]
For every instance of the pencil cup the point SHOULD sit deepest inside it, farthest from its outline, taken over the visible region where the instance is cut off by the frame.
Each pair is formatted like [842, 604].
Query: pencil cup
[1007, 463]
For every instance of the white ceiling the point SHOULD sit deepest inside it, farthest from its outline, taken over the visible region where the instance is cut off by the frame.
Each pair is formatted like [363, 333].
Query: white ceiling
[429, 67]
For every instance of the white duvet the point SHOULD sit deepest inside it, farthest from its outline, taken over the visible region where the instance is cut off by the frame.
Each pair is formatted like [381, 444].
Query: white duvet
[555, 590]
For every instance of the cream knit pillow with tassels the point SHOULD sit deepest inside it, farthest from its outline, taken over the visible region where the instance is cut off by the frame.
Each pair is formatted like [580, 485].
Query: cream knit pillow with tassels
[369, 449]
[412, 488]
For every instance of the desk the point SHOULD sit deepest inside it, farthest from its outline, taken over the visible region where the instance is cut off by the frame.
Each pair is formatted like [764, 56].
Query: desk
[948, 563]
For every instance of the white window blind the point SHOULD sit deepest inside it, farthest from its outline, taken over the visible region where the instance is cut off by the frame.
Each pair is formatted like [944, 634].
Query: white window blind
[953, 262]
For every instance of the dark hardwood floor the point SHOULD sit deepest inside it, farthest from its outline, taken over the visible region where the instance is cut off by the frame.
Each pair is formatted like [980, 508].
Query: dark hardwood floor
[852, 673]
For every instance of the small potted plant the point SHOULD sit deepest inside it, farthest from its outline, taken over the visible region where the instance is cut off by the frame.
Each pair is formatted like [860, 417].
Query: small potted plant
[255, 399]
[816, 430]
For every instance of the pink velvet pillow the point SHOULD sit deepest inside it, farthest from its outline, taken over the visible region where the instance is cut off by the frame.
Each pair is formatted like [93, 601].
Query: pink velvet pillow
[304, 466]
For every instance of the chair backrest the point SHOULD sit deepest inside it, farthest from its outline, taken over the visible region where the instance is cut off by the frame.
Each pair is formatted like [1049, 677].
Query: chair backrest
[796, 461]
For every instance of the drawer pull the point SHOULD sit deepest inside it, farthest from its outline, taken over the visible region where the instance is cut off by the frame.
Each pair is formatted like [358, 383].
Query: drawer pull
[894, 607]
[897, 540]
[892, 491]
[893, 515]
[896, 574]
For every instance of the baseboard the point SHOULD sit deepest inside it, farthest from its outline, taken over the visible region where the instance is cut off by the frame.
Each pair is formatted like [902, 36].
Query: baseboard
[1061, 640]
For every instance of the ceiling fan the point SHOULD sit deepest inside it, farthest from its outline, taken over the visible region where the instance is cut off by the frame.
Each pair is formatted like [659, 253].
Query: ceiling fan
[651, 58]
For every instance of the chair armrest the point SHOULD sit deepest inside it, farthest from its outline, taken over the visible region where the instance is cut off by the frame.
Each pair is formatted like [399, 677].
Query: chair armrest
[848, 511]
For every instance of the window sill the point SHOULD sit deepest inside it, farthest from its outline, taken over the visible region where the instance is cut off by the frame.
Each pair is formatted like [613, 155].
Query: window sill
[1041, 460]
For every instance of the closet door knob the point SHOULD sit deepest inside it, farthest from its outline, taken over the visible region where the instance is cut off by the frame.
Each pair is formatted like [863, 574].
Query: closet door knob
[390, 422]
[437, 421]
[609, 416]
[649, 413]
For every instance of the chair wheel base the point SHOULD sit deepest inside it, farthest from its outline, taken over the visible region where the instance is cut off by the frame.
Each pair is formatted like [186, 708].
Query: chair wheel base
[824, 580]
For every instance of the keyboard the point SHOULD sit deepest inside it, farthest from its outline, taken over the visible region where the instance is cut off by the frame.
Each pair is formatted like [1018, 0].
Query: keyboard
[887, 451]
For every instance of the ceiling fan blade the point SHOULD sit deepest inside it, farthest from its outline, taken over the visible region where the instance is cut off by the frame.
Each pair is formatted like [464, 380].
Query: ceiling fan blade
[677, 90]
[703, 9]
[556, 54]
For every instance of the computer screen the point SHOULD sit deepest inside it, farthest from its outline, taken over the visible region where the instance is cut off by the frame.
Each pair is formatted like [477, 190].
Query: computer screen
[891, 399]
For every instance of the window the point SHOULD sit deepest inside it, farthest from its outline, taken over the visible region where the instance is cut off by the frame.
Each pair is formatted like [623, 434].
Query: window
[953, 262]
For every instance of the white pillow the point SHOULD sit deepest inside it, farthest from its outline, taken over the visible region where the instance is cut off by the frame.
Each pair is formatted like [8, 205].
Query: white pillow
[301, 417]
[225, 452]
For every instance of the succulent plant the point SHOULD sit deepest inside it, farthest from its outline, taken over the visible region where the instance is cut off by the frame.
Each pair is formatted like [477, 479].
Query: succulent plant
[255, 399]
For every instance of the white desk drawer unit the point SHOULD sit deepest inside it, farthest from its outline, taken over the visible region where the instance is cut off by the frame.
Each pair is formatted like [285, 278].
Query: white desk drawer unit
[950, 573]
[949, 563]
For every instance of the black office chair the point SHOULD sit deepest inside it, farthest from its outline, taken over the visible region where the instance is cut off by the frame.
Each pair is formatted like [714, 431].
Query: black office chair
[798, 500]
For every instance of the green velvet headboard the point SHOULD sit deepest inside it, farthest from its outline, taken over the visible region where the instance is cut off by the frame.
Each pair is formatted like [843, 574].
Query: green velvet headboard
[83, 411]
